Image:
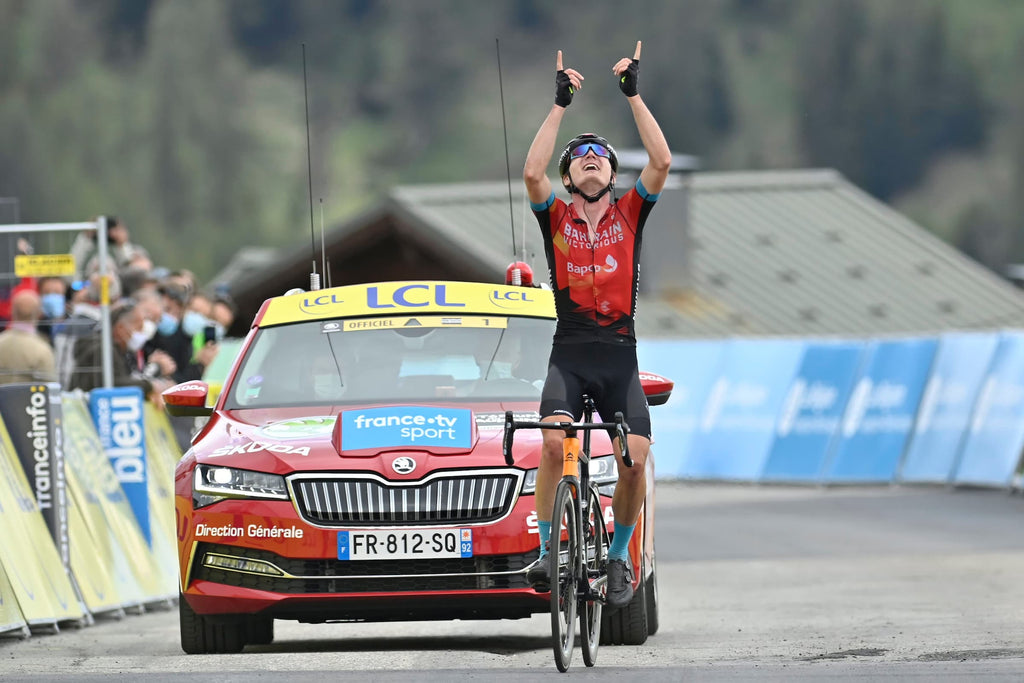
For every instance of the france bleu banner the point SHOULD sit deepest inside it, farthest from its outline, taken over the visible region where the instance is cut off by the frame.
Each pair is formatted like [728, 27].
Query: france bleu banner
[693, 366]
[881, 410]
[812, 411]
[993, 443]
[961, 363]
[118, 416]
[737, 423]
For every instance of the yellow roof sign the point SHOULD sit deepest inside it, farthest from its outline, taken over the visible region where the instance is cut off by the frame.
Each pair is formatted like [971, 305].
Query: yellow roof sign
[41, 265]
[410, 299]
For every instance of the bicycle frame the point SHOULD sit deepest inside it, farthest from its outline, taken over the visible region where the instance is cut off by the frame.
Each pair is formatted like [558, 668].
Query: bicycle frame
[575, 499]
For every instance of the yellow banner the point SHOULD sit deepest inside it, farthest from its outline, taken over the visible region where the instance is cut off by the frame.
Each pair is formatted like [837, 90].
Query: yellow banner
[382, 299]
[95, 480]
[95, 582]
[162, 454]
[11, 618]
[40, 265]
[42, 587]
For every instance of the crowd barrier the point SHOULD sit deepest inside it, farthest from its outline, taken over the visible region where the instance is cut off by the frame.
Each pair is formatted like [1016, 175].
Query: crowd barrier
[78, 537]
[945, 409]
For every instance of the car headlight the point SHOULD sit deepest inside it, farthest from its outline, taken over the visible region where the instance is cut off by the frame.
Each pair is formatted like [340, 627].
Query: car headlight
[604, 472]
[212, 483]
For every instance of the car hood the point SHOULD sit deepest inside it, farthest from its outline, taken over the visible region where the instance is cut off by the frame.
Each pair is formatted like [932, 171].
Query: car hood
[434, 436]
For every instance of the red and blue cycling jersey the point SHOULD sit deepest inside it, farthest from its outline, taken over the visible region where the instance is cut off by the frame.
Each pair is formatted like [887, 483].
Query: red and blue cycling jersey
[595, 283]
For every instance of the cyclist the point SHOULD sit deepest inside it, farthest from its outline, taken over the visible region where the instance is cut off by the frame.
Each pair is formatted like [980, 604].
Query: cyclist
[592, 245]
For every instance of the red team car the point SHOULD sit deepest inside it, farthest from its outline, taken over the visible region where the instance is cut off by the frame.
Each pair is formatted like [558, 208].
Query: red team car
[351, 468]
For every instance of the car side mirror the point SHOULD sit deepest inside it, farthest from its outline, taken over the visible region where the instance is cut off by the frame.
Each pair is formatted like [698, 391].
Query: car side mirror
[657, 389]
[187, 399]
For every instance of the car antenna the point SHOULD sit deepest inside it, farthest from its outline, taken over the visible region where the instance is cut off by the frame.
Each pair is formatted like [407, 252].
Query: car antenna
[508, 166]
[519, 272]
[323, 247]
[314, 277]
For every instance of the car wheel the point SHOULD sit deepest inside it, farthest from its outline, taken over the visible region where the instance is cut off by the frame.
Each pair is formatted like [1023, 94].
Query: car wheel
[201, 634]
[628, 625]
[259, 631]
[651, 591]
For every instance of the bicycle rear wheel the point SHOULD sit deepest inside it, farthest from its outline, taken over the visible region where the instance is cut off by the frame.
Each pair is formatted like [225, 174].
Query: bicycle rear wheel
[595, 549]
[565, 570]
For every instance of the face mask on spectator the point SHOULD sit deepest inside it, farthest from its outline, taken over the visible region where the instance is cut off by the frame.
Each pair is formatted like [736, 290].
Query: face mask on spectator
[193, 323]
[220, 330]
[53, 305]
[148, 329]
[168, 325]
[137, 341]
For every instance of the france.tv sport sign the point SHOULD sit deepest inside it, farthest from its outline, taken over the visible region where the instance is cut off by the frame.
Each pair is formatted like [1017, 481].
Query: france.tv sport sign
[406, 426]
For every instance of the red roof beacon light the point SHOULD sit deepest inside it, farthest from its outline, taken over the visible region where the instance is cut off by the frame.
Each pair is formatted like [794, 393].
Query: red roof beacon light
[519, 274]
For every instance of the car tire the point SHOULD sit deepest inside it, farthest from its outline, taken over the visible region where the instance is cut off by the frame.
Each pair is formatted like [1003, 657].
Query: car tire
[259, 631]
[628, 625]
[651, 590]
[202, 635]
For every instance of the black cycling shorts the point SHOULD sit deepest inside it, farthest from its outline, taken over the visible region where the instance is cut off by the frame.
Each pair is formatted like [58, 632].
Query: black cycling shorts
[608, 373]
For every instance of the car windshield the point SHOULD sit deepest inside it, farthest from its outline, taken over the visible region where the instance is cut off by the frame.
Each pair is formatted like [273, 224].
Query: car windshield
[425, 358]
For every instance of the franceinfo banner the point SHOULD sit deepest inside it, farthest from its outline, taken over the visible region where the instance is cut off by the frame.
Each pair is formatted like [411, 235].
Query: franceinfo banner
[693, 366]
[32, 414]
[118, 415]
[812, 411]
[737, 423]
[880, 413]
[992, 447]
[943, 418]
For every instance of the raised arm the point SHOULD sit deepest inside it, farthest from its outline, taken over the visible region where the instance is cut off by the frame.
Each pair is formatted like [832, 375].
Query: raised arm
[659, 156]
[538, 186]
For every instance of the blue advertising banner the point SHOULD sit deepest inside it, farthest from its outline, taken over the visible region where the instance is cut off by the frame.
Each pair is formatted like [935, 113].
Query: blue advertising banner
[737, 424]
[880, 413]
[409, 426]
[118, 415]
[693, 366]
[993, 443]
[961, 363]
[813, 410]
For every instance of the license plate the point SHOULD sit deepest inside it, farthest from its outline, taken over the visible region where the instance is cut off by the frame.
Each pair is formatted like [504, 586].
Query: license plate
[404, 544]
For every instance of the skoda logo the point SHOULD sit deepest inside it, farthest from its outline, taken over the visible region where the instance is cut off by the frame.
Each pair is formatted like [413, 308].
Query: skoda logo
[403, 465]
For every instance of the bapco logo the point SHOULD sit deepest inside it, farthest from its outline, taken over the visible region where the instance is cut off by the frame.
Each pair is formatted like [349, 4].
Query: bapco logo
[403, 465]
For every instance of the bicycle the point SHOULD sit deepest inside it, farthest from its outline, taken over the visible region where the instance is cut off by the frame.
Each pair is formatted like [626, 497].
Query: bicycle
[579, 537]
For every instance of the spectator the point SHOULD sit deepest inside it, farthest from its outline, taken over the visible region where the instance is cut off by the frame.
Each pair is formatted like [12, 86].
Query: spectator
[120, 248]
[53, 294]
[136, 277]
[184, 278]
[24, 355]
[83, 321]
[173, 337]
[127, 339]
[151, 305]
[223, 312]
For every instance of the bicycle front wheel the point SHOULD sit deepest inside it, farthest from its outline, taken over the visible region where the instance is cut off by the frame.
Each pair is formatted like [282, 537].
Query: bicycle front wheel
[565, 571]
[595, 550]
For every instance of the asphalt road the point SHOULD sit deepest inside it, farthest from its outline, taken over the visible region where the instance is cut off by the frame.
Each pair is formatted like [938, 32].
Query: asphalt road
[756, 583]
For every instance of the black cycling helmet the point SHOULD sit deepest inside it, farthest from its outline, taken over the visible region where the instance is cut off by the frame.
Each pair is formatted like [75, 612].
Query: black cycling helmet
[563, 161]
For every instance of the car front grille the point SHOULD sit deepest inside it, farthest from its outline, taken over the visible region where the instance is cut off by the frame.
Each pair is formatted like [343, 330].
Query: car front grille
[445, 498]
[307, 576]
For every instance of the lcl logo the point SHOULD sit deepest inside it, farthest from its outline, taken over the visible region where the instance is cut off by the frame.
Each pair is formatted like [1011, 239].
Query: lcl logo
[403, 465]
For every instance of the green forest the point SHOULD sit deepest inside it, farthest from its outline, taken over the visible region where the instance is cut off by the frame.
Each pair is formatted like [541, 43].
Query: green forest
[187, 118]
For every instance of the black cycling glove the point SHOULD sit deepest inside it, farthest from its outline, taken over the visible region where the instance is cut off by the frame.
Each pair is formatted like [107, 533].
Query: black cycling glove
[563, 89]
[628, 79]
